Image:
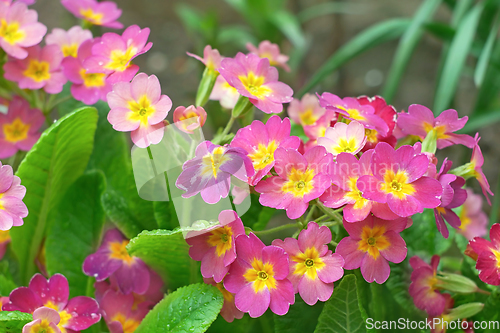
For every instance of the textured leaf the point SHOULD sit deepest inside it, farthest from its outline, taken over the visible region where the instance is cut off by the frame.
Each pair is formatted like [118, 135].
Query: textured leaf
[75, 230]
[53, 164]
[13, 321]
[189, 309]
[341, 312]
[166, 252]
[302, 318]
[165, 214]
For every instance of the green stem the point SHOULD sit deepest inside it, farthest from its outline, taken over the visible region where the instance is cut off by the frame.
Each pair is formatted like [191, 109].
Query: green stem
[281, 227]
[310, 214]
[481, 291]
[228, 128]
[334, 214]
[319, 219]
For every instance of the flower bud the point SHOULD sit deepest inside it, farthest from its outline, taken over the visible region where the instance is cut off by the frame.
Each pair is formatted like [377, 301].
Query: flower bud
[243, 105]
[465, 310]
[455, 283]
[429, 145]
[206, 86]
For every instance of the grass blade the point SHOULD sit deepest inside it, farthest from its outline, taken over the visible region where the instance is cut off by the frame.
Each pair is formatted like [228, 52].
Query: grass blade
[484, 58]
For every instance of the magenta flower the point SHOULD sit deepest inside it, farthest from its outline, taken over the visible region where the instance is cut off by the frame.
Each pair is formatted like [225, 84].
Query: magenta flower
[387, 113]
[426, 295]
[87, 87]
[139, 107]
[12, 207]
[344, 138]
[318, 129]
[261, 141]
[313, 268]
[254, 78]
[420, 121]
[19, 29]
[301, 178]
[68, 41]
[3, 300]
[40, 69]
[270, 51]
[113, 53]
[119, 312]
[210, 171]
[211, 58]
[398, 180]
[474, 220]
[19, 128]
[488, 260]
[45, 320]
[190, 118]
[351, 109]
[306, 111]
[258, 278]
[224, 93]
[229, 310]
[371, 244]
[76, 314]
[103, 13]
[112, 258]
[453, 196]
[215, 247]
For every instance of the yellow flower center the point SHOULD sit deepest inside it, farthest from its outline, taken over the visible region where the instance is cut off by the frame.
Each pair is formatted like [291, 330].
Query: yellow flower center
[91, 16]
[16, 131]
[255, 85]
[189, 115]
[141, 110]
[70, 50]
[227, 295]
[464, 218]
[345, 146]
[264, 155]
[221, 239]
[308, 263]
[373, 241]
[65, 317]
[353, 113]
[307, 117]
[119, 251]
[355, 194]
[440, 130]
[299, 183]
[4, 235]
[261, 275]
[42, 327]
[10, 32]
[38, 70]
[396, 184]
[371, 135]
[497, 256]
[120, 60]
[212, 162]
[91, 80]
[128, 325]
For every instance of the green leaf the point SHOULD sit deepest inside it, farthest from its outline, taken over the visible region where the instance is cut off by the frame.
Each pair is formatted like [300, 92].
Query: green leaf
[58, 158]
[257, 217]
[189, 309]
[484, 58]
[481, 120]
[329, 8]
[407, 46]
[6, 286]
[440, 30]
[301, 318]
[13, 321]
[165, 215]
[166, 252]
[297, 130]
[341, 312]
[289, 25]
[75, 231]
[369, 38]
[455, 60]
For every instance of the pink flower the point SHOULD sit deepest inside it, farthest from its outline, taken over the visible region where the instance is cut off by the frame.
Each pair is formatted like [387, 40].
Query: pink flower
[351, 109]
[254, 78]
[420, 121]
[371, 244]
[12, 207]
[19, 29]
[139, 107]
[19, 128]
[488, 260]
[474, 220]
[210, 171]
[301, 178]
[112, 258]
[474, 169]
[40, 69]
[229, 310]
[387, 113]
[344, 138]
[44, 320]
[76, 314]
[239, 194]
[398, 180]
[305, 111]
[318, 129]
[313, 268]
[103, 13]
[87, 87]
[28, 2]
[113, 53]
[443, 318]
[426, 295]
[190, 118]
[258, 278]
[270, 51]
[261, 141]
[68, 41]
[224, 93]
[4, 241]
[211, 58]
[453, 196]
[214, 247]
[119, 312]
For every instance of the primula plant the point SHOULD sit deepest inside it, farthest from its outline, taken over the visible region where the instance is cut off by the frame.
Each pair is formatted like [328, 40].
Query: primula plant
[306, 212]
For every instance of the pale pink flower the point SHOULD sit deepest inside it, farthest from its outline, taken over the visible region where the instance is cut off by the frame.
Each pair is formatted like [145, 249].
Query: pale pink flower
[270, 51]
[344, 138]
[103, 13]
[68, 41]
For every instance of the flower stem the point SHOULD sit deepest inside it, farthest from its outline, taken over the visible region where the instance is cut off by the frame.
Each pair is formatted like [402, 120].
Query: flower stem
[310, 214]
[281, 227]
[227, 129]
[481, 291]
[330, 212]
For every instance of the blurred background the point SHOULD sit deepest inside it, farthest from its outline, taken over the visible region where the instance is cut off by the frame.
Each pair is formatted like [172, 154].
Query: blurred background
[439, 53]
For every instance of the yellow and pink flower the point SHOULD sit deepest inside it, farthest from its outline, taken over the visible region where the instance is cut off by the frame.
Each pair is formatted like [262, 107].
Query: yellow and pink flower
[211, 58]
[344, 138]
[119, 312]
[387, 113]
[4, 241]
[306, 111]
[103, 13]
[313, 267]
[68, 41]
[224, 93]
[45, 320]
[12, 207]
[190, 118]
[488, 260]
[270, 51]
[474, 219]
